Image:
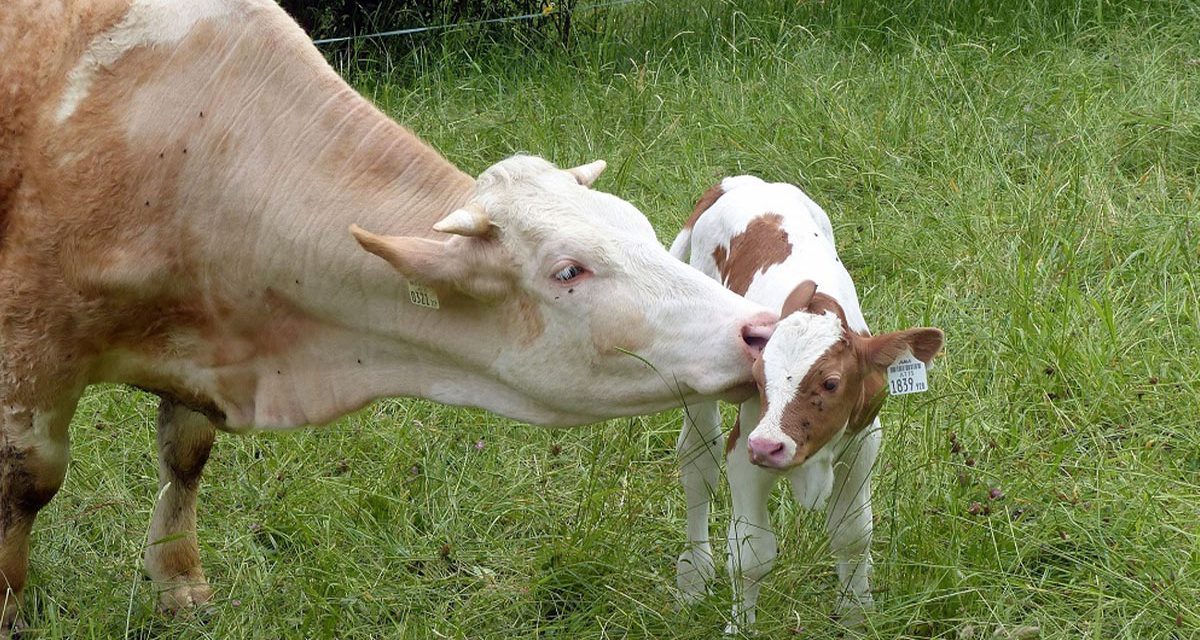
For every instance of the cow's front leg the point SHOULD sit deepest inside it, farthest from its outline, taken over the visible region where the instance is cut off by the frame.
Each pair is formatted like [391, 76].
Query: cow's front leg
[34, 450]
[185, 438]
[698, 447]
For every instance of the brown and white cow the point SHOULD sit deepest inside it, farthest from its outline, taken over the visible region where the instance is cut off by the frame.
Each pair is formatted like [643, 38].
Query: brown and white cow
[177, 181]
[821, 381]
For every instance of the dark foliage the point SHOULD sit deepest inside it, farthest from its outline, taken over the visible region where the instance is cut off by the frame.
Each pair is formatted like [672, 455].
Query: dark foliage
[337, 18]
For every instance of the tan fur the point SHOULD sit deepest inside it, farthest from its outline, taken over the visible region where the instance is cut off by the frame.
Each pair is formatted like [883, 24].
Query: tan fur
[525, 320]
[100, 259]
[734, 434]
[172, 558]
[624, 330]
[706, 200]
[753, 251]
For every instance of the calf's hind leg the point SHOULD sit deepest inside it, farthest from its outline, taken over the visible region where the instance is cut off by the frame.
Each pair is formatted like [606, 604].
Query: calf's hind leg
[34, 450]
[185, 438]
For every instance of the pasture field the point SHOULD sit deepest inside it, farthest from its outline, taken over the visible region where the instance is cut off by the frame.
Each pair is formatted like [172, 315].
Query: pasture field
[1025, 177]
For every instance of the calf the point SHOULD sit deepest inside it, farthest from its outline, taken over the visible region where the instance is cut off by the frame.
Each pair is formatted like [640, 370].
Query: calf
[821, 381]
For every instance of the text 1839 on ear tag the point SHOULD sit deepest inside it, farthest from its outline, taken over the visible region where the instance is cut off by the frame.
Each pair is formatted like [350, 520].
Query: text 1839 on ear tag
[907, 375]
[423, 296]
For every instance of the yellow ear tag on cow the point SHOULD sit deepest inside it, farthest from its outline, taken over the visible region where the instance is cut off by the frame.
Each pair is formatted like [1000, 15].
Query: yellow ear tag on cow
[423, 296]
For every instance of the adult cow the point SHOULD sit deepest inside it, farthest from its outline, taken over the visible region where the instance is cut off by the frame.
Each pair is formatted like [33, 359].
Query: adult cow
[176, 184]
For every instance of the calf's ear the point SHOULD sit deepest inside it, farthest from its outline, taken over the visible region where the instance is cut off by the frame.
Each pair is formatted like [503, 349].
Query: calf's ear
[924, 343]
[474, 266]
[799, 298]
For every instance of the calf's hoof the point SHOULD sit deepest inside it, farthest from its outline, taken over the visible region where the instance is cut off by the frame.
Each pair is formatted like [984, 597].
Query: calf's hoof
[694, 571]
[852, 613]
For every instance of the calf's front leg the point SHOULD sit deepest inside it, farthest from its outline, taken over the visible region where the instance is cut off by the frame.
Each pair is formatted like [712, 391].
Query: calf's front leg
[850, 524]
[752, 542]
[172, 559]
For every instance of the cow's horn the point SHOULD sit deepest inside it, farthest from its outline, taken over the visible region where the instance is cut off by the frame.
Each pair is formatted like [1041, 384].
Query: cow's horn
[586, 174]
[471, 220]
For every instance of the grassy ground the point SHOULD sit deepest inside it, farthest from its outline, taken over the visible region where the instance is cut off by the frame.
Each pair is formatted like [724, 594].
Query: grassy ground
[1025, 178]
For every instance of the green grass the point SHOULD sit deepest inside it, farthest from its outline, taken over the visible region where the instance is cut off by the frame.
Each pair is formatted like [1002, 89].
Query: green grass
[1025, 178]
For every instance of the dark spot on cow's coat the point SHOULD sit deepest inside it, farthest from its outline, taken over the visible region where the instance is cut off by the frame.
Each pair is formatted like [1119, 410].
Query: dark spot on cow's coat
[764, 243]
[712, 195]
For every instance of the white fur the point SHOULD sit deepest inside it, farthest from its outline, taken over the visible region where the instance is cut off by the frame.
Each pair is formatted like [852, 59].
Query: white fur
[837, 476]
[147, 23]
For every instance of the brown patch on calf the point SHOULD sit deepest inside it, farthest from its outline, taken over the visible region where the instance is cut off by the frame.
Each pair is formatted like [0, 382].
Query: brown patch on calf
[706, 200]
[764, 243]
[814, 414]
[732, 438]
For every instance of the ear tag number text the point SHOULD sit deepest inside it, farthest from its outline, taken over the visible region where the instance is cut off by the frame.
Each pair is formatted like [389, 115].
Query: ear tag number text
[907, 375]
[423, 296]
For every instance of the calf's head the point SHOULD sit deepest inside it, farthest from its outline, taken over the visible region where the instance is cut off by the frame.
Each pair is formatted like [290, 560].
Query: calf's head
[577, 298]
[819, 380]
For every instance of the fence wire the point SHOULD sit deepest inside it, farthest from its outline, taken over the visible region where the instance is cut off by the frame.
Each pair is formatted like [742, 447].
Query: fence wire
[549, 11]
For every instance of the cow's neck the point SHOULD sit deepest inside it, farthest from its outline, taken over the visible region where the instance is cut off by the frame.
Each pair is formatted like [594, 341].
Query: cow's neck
[297, 324]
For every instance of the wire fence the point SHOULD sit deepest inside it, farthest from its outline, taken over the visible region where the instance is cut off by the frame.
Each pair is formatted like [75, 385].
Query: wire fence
[550, 10]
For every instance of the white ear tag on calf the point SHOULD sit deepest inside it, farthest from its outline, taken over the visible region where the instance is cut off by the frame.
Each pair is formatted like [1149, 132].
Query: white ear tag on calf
[423, 296]
[907, 375]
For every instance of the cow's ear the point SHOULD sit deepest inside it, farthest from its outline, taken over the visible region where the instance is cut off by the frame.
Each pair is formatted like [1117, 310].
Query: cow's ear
[474, 266]
[799, 298]
[586, 174]
[924, 343]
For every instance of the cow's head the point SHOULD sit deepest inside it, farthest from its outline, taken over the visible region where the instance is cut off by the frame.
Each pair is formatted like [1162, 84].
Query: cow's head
[819, 380]
[582, 297]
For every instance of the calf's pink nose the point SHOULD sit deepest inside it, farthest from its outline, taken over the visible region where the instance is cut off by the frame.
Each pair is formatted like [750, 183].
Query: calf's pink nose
[766, 452]
[757, 331]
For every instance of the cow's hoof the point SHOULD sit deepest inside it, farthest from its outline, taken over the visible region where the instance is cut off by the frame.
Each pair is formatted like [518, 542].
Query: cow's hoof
[185, 598]
[14, 630]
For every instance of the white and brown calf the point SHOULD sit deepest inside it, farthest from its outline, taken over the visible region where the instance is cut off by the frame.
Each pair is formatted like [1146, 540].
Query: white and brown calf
[821, 381]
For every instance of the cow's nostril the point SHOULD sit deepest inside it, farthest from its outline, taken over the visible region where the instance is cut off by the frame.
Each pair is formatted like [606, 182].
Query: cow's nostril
[754, 342]
[755, 337]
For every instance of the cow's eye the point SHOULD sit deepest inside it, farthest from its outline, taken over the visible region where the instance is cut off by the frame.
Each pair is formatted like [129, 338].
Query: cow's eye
[569, 272]
[831, 384]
